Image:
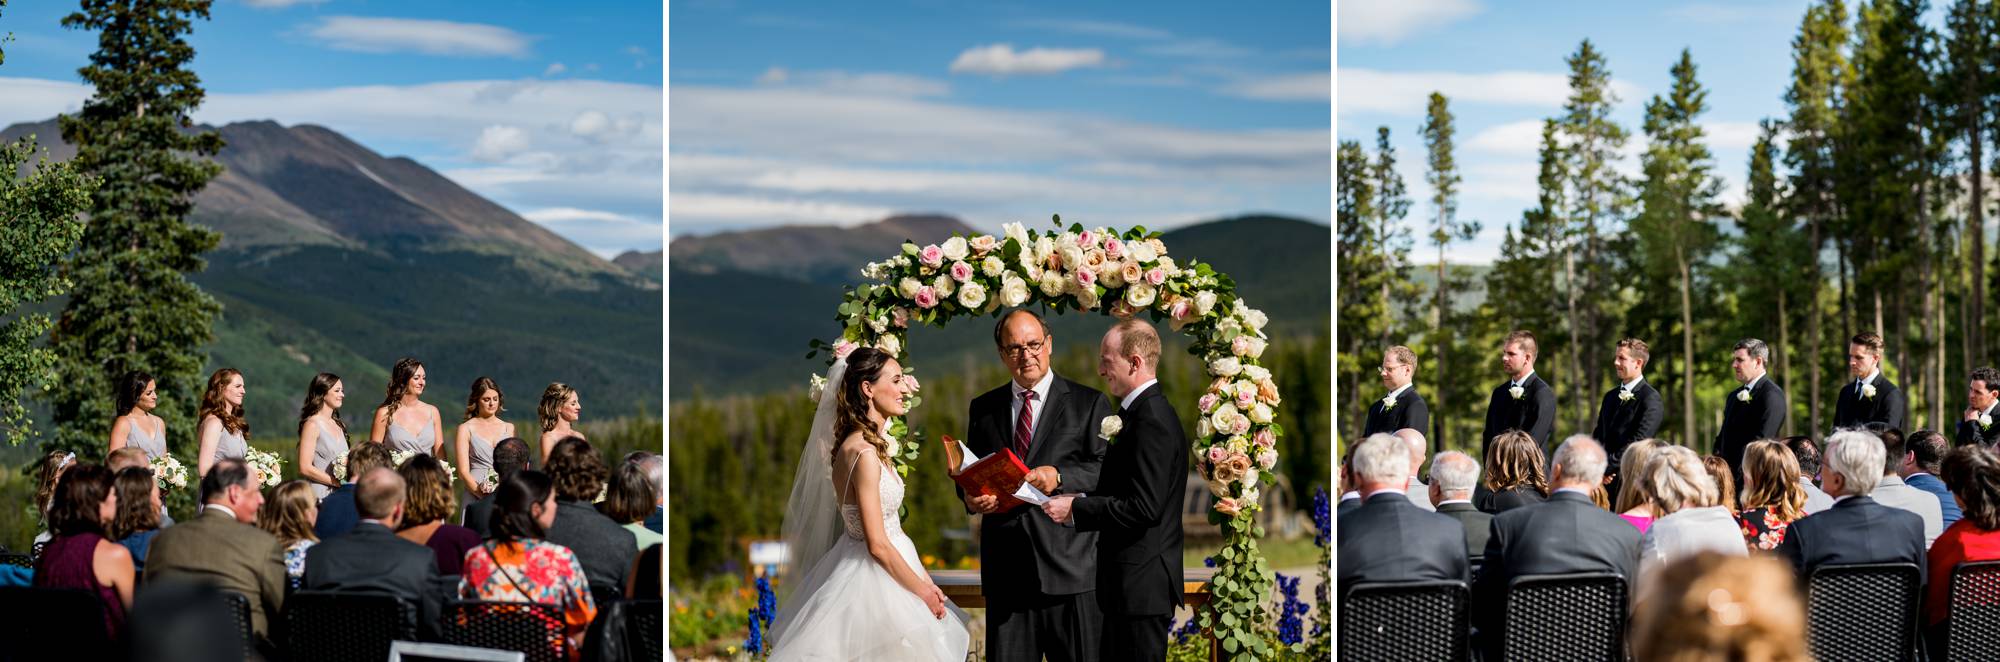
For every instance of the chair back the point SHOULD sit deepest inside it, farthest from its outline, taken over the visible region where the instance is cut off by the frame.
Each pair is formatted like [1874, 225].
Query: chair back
[1566, 617]
[1863, 611]
[239, 615]
[71, 619]
[533, 629]
[18, 560]
[1974, 632]
[346, 625]
[1408, 621]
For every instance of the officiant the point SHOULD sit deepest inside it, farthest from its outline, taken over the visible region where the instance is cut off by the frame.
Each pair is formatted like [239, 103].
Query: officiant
[1039, 577]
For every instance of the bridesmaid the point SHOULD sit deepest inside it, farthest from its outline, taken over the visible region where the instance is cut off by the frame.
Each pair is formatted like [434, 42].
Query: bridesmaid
[476, 436]
[224, 432]
[322, 433]
[558, 413]
[136, 426]
[406, 385]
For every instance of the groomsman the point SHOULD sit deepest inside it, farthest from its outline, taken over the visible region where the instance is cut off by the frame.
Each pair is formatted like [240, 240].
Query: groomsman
[1870, 398]
[1630, 412]
[1524, 402]
[1403, 408]
[1755, 411]
[1977, 425]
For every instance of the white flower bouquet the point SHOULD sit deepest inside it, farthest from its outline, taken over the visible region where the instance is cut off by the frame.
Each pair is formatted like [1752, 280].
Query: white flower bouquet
[169, 472]
[269, 466]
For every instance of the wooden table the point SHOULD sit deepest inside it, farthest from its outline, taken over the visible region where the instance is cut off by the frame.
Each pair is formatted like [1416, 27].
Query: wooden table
[963, 589]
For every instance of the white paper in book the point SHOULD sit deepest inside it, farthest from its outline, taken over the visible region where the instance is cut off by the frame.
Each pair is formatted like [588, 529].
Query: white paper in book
[1027, 492]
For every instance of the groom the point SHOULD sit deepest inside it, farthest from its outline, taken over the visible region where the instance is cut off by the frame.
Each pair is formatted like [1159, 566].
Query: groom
[1137, 505]
[1039, 576]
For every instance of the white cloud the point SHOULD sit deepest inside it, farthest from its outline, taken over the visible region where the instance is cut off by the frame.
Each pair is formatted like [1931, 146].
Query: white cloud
[1385, 22]
[555, 69]
[396, 35]
[1200, 48]
[35, 99]
[862, 84]
[498, 142]
[753, 210]
[1512, 138]
[280, 4]
[1289, 87]
[773, 76]
[1095, 28]
[1002, 60]
[1407, 92]
[1731, 136]
[606, 233]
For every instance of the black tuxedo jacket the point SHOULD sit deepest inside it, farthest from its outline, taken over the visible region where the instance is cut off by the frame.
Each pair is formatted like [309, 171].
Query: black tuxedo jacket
[1856, 530]
[1889, 406]
[1745, 422]
[371, 559]
[1410, 412]
[1389, 539]
[1137, 510]
[1619, 422]
[1534, 413]
[1477, 525]
[1969, 432]
[1023, 553]
[1565, 534]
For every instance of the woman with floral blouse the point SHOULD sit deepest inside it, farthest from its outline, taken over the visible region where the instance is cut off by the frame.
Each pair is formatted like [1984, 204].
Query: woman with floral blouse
[517, 565]
[1772, 497]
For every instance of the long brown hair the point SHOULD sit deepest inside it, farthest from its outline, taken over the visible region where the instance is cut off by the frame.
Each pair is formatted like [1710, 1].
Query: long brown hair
[399, 385]
[479, 388]
[1725, 480]
[213, 404]
[284, 515]
[864, 365]
[1771, 480]
[136, 513]
[1632, 466]
[321, 385]
[1973, 473]
[53, 466]
[1515, 460]
[550, 409]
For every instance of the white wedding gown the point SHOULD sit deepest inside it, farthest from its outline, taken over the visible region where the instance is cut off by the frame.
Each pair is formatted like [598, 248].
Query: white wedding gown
[852, 609]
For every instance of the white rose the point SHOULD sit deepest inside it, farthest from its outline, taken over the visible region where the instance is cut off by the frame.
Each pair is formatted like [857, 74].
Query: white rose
[992, 265]
[1013, 290]
[1204, 301]
[1088, 299]
[1140, 295]
[1250, 478]
[1224, 417]
[1228, 328]
[895, 445]
[1742, 394]
[908, 287]
[890, 345]
[1868, 390]
[1261, 414]
[1141, 252]
[1053, 283]
[1257, 346]
[1254, 320]
[972, 295]
[1249, 497]
[1072, 258]
[1203, 429]
[1110, 427]
[1110, 278]
[945, 285]
[1985, 421]
[955, 248]
[1016, 232]
[1256, 373]
[1044, 247]
[1516, 391]
[1225, 367]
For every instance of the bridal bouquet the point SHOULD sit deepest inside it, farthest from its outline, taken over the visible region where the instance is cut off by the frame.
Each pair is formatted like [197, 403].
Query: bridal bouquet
[169, 472]
[268, 465]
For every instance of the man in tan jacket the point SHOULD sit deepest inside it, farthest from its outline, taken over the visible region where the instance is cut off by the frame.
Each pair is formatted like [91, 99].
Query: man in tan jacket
[223, 546]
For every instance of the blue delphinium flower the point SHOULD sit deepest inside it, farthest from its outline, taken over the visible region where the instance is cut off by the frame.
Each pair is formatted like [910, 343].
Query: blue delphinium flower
[1322, 516]
[1289, 629]
[1210, 561]
[760, 616]
[755, 644]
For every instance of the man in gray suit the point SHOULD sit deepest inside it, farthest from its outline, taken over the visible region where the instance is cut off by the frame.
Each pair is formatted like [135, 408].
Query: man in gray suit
[1452, 476]
[224, 547]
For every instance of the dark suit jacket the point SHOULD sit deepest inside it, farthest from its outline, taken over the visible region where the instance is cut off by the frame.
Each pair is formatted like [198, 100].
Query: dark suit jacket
[1970, 433]
[1477, 525]
[1619, 423]
[372, 559]
[1534, 413]
[1504, 500]
[477, 514]
[1348, 505]
[1137, 510]
[215, 548]
[1389, 539]
[1889, 405]
[1023, 553]
[1565, 534]
[1745, 422]
[337, 513]
[1856, 530]
[1410, 412]
[605, 548]
[1948, 505]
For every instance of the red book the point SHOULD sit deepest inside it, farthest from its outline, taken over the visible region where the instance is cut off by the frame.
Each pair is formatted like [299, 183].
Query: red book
[1000, 474]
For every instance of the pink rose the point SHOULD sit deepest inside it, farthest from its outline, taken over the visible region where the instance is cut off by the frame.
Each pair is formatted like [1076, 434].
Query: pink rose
[842, 349]
[1114, 249]
[983, 244]
[1239, 425]
[1245, 398]
[1265, 459]
[1132, 272]
[927, 297]
[900, 317]
[1087, 240]
[1086, 278]
[1208, 403]
[1216, 454]
[1227, 506]
[931, 256]
[1122, 310]
[1240, 346]
[961, 271]
[1156, 276]
[911, 381]
[1182, 309]
[1265, 438]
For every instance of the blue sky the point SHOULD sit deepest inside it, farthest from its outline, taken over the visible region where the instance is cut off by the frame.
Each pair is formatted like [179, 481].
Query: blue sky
[551, 109]
[1502, 66]
[1135, 113]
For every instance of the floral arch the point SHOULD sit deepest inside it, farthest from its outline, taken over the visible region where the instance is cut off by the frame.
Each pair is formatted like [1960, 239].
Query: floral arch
[1123, 274]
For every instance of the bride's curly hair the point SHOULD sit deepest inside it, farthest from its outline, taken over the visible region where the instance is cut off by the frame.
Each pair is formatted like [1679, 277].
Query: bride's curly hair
[863, 365]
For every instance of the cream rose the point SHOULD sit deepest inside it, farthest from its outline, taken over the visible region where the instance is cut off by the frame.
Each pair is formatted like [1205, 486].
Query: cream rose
[1016, 232]
[1261, 414]
[972, 295]
[1132, 272]
[955, 248]
[1141, 251]
[1204, 301]
[908, 287]
[1267, 392]
[891, 345]
[993, 266]
[1072, 259]
[945, 285]
[984, 244]
[1013, 290]
[1225, 367]
[1203, 429]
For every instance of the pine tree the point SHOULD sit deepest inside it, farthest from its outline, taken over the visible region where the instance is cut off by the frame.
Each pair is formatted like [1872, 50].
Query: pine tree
[1599, 199]
[133, 307]
[1967, 85]
[1770, 274]
[1821, 76]
[1522, 289]
[1443, 177]
[1360, 272]
[1675, 230]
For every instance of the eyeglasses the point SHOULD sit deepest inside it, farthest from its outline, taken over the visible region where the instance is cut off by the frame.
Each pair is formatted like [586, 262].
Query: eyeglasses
[1025, 348]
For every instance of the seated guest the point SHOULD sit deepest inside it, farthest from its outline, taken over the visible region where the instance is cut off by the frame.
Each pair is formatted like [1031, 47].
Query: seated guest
[133, 456]
[605, 548]
[1419, 493]
[628, 501]
[1973, 474]
[1892, 492]
[1692, 518]
[80, 556]
[1566, 534]
[1725, 481]
[336, 509]
[646, 581]
[1452, 476]
[652, 464]
[1631, 504]
[1389, 539]
[289, 517]
[1772, 496]
[1856, 529]
[518, 565]
[1350, 497]
[509, 455]
[1718, 607]
[430, 501]
[1919, 469]
[51, 471]
[370, 558]
[138, 516]
[1513, 473]
[222, 547]
[1806, 451]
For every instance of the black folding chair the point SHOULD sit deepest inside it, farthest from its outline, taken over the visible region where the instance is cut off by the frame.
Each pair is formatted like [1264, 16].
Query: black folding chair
[1405, 621]
[1565, 617]
[535, 630]
[1865, 611]
[239, 613]
[18, 560]
[346, 625]
[1974, 625]
[52, 621]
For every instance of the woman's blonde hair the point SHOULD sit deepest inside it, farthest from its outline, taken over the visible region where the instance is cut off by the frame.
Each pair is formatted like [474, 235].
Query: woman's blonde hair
[1715, 607]
[1515, 460]
[1633, 464]
[1675, 477]
[1771, 480]
[430, 496]
[284, 514]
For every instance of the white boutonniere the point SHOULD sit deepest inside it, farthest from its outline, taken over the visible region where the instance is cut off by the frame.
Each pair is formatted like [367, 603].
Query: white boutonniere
[1625, 395]
[1985, 421]
[1388, 402]
[1517, 392]
[1743, 394]
[1109, 428]
[1868, 391]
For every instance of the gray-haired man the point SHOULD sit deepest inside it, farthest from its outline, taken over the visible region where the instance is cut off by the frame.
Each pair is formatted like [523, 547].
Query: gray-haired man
[1755, 411]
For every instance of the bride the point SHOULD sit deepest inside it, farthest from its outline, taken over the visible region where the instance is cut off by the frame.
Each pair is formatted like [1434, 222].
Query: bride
[856, 591]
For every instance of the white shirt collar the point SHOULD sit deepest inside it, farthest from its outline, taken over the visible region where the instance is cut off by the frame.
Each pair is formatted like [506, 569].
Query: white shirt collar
[1989, 408]
[1129, 397]
[217, 506]
[1452, 501]
[1871, 376]
[1914, 474]
[1634, 384]
[1522, 380]
[1041, 388]
[1399, 391]
[1752, 384]
[1385, 490]
[1578, 490]
[1842, 497]
[1349, 495]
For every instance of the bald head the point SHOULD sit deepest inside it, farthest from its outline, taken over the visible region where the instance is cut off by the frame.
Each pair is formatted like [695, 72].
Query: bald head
[1579, 463]
[380, 495]
[1413, 440]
